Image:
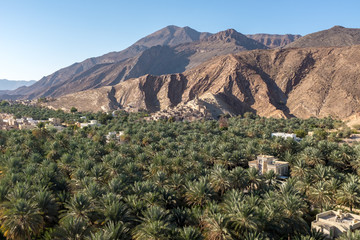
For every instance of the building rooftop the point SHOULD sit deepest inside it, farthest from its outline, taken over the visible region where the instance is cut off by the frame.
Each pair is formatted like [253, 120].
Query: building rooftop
[336, 220]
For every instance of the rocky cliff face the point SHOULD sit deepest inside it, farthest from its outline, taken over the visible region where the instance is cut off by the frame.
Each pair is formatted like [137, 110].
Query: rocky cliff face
[274, 40]
[280, 83]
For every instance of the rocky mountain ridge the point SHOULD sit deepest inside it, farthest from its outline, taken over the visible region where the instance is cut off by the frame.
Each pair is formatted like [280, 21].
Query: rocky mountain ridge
[314, 76]
[301, 83]
[336, 36]
[170, 35]
[156, 60]
[274, 40]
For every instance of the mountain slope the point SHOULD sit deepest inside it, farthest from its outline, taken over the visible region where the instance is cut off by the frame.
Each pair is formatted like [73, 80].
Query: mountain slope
[170, 35]
[155, 60]
[281, 83]
[336, 36]
[274, 40]
[12, 84]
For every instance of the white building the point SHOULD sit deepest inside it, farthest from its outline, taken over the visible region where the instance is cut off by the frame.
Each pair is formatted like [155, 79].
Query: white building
[114, 136]
[265, 163]
[335, 223]
[90, 124]
[55, 121]
[285, 135]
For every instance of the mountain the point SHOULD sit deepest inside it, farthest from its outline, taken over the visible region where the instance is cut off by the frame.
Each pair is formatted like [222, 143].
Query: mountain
[170, 35]
[336, 36]
[157, 60]
[302, 82]
[274, 40]
[12, 84]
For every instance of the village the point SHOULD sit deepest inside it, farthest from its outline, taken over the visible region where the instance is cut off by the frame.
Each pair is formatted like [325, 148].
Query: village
[10, 122]
[190, 111]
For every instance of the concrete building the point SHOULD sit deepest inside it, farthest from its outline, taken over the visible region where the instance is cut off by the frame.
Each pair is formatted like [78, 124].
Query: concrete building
[55, 121]
[114, 136]
[285, 135]
[12, 122]
[265, 163]
[27, 126]
[90, 124]
[334, 223]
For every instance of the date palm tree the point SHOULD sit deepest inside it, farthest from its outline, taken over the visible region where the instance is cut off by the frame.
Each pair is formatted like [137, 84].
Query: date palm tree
[321, 172]
[79, 208]
[254, 179]
[115, 211]
[294, 209]
[112, 231]
[312, 156]
[312, 235]
[199, 192]
[154, 225]
[189, 233]
[71, 229]
[47, 206]
[350, 235]
[349, 194]
[334, 185]
[320, 194]
[299, 169]
[254, 236]
[215, 226]
[21, 219]
[305, 184]
[270, 178]
[220, 179]
[242, 216]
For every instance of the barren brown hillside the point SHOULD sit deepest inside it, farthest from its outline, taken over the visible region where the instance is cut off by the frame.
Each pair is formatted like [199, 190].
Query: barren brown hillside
[336, 36]
[168, 36]
[157, 60]
[281, 83]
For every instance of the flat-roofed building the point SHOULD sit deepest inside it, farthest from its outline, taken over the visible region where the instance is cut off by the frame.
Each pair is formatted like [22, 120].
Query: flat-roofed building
[334, 223]
[285, 135]
[55, 121]
[265, 163]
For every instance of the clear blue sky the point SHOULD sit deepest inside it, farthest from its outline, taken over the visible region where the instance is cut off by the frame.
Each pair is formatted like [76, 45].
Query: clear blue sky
[38, 37]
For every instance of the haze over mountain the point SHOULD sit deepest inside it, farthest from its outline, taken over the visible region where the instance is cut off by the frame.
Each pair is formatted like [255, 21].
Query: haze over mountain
[280, 83]
[336, 36]
[14, 84]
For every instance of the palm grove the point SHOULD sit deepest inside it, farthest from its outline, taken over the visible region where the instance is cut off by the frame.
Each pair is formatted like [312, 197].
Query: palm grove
[172, 180]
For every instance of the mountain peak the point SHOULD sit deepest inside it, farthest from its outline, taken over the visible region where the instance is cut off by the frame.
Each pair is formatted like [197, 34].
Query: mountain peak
[172, 28]
[231, 35]
[227, 35]
[171, 35]
[337, 27]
